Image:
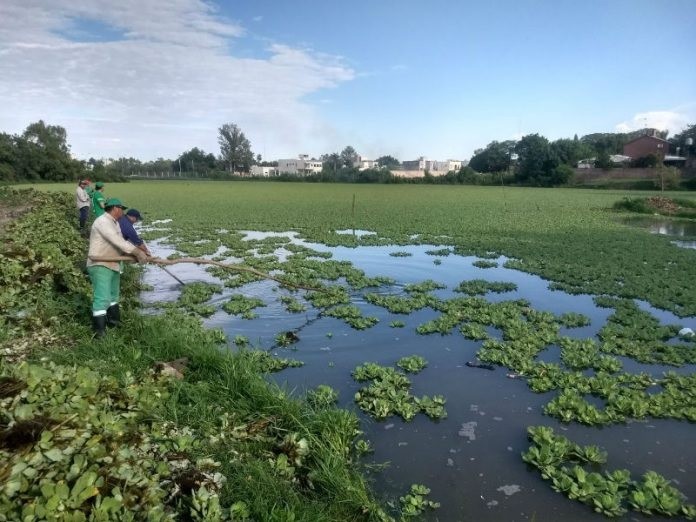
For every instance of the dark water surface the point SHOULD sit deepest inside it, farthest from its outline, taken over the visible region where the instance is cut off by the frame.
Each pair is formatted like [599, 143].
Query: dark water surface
[663, 226]
[470, 460]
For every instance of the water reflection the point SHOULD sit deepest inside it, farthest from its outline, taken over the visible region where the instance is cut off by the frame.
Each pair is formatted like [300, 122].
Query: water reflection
[470, 460]
[663, 226]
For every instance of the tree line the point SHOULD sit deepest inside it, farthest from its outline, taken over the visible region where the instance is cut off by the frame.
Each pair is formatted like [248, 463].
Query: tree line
[534, 160]
[41, 152]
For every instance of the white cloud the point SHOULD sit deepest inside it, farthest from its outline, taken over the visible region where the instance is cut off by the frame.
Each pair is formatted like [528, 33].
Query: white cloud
[164, 87]
[672, 120]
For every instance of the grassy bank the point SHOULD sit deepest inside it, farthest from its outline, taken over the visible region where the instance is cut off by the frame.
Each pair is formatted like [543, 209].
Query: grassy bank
[91, 428]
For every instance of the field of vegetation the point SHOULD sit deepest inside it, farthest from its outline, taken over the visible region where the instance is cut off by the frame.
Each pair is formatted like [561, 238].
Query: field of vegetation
[568, 236]
[306, 447]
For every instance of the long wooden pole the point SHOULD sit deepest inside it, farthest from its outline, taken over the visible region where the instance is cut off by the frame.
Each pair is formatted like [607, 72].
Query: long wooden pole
[202, 261]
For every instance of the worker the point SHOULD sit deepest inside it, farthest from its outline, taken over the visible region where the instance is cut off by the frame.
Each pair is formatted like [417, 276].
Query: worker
[126, 222]
[98, 199]
[82, 200]
[106, 241]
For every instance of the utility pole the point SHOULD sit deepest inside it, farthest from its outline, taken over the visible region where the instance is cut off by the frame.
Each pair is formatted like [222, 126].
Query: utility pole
[179, 167]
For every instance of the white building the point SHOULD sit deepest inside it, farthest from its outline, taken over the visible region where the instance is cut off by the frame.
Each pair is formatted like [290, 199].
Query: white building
[363, 163]
[266, 172]
[432, 166]
[300, 166]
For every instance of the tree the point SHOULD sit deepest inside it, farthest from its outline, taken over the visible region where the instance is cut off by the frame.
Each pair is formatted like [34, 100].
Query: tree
[348, 156]
[569, 151]
[667, 177]
[235, 148]
[388, 162]
[496, 157]
[536, 163]
[603, 160]
[196, 160]
[42, 152]
[331, 163]
[679, 140]
[8, 157]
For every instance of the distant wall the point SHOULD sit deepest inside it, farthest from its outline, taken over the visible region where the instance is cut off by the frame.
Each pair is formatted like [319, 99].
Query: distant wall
[417, 173]
[623, 173]
[618, 173]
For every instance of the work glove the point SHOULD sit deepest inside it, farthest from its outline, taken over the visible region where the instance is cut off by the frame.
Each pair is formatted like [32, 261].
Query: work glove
[140, 256]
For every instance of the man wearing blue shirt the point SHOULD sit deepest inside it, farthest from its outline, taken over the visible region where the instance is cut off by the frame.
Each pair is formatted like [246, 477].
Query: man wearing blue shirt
[126, 223]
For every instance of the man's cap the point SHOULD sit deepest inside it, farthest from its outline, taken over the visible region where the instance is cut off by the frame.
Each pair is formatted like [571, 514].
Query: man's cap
[99, 184]
[133, 212]
[114, 202]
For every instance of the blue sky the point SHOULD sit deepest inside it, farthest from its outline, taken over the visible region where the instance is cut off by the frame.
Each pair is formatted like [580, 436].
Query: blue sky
[407, 78]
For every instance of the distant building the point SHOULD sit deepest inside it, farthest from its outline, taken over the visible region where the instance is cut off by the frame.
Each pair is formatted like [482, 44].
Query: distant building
[258, 170]
[361, 163]
[646, 145]
[433, 166]
[301, 166]
[616, 159]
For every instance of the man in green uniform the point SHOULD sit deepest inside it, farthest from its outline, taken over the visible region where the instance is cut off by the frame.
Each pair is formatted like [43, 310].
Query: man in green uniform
[106, 242]
[98, 199]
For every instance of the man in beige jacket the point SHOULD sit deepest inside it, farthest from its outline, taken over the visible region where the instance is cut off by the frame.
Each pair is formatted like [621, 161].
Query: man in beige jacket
[82, 201]
[106, 241]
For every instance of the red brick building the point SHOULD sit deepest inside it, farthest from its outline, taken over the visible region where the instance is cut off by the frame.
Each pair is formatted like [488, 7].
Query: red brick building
[645, 145]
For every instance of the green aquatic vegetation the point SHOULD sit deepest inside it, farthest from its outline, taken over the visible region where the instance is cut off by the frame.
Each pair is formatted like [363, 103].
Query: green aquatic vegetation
[267, 363]
[474, 331]
[352, 315]
[241, 340]
[329, 296]
[397, 304]
[611, 493]
[443, 252]
[400, 253]
[241, 279]
[193, 295]
[437, 261]
[389, 394]
[433, 407]
[412, 363]
[292, 305]
[414, 503]
[196, 248]
[635, 333]
[442, 325]
[425, 286]
[397, 324]
[482, 263]
[482, 287]
[239, 304]
[322, 396]
[654, 495]
[286, 338]
[573, 320]
[52, 461]
[363, 447]
[568, 406]
[583, 354]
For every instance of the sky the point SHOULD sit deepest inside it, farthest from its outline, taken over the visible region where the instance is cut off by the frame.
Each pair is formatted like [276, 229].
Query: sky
[408, 78]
